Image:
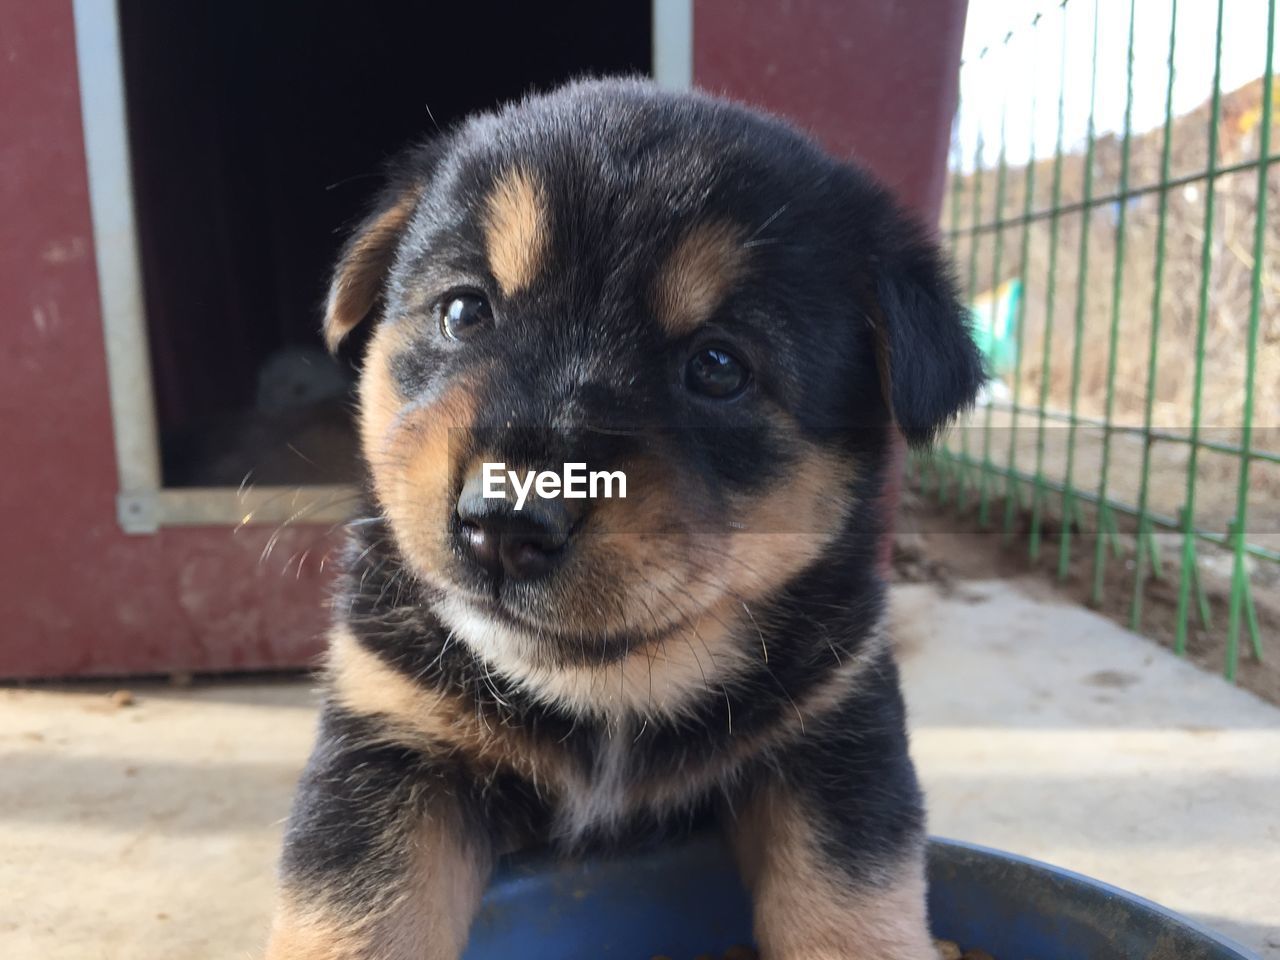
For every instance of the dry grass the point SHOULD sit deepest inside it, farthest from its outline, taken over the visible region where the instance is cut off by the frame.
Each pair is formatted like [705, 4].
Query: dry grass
[1229, 296]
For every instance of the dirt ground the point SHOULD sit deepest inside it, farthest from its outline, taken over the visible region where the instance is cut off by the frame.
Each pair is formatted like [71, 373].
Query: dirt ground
[1103, 343]
[1167, 463]
[1051, 309]
[145, 824]
[940, 545]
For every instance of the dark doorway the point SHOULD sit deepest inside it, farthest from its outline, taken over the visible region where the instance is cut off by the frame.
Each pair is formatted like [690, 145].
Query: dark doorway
[257, 130]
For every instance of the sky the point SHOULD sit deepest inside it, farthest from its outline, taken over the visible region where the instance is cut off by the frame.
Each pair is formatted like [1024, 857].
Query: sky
[1030, 65]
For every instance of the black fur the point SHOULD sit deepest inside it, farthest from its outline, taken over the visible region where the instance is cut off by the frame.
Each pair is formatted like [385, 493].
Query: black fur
[841, 288]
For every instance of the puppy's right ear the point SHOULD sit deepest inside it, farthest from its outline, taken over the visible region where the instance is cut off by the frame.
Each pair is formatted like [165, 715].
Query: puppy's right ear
[360, 278]
[361, 274]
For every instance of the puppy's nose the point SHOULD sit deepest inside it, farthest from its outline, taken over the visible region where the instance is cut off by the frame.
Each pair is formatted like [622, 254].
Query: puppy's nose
[504, 542]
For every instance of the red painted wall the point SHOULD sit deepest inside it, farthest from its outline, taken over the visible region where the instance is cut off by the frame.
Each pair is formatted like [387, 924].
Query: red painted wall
[77, 596]
[874, 80]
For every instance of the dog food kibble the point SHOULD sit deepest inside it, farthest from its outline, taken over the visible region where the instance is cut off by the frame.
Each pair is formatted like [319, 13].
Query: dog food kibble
[733, 953]
[950, 950]
[947, 950]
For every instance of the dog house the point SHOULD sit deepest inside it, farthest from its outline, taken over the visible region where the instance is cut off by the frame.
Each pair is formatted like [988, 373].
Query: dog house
[180, 457]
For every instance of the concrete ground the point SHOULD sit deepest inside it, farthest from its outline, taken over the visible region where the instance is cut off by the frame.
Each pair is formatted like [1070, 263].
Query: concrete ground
[148, 830]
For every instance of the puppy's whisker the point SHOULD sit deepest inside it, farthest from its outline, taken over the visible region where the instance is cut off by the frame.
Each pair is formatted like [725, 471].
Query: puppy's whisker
[301, 456]
[769, 221]
[764, 648]
[296, 517]
[684, 636]
[612, 431]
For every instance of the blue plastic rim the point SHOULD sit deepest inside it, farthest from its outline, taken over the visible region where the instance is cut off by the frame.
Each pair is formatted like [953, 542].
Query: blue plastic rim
[686, 900]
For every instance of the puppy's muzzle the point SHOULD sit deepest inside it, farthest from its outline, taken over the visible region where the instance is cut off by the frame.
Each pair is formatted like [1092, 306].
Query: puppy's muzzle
[502, 542]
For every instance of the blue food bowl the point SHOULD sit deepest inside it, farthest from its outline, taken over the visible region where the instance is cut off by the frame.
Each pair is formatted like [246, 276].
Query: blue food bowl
[687, 900]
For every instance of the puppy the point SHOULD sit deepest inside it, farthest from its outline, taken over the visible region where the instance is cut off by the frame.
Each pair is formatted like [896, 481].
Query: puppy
[695, 295]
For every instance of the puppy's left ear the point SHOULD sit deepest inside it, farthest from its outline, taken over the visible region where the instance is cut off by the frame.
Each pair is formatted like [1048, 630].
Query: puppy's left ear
[930, 368]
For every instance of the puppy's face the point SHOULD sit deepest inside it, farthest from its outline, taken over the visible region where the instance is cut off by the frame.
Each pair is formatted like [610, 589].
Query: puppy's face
[659, 285]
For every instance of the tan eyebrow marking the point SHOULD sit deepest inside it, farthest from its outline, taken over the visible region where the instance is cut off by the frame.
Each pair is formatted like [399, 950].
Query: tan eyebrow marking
[515, 230]
[706, 263]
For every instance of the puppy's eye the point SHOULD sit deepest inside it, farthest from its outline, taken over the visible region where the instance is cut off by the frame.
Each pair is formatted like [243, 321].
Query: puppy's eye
[463, 314]
[715, 372]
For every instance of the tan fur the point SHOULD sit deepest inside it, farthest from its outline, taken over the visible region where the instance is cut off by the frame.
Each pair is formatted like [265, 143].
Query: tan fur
[656, 578]
[515, 230]
[685, 589]
[660, 677]
[360, 274]
[646, 565]
[380, 399]
[302, 933]
[649, 545]
[837, 687]
[427, 916]
[788, 527]
[706, 263]
[435, 722]
[411, 451]
[430, 720]
[804, 911]
[364, 684]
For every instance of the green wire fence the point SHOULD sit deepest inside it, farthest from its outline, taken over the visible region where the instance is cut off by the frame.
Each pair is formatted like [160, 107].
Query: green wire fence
[1126, 292]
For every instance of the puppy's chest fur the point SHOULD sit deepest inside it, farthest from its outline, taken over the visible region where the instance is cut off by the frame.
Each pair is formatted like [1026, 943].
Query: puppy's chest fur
[574, 779]
[622, 791]
[579, 778]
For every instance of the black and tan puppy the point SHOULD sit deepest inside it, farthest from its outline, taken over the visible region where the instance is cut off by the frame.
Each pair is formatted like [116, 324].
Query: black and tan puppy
[695, 295]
